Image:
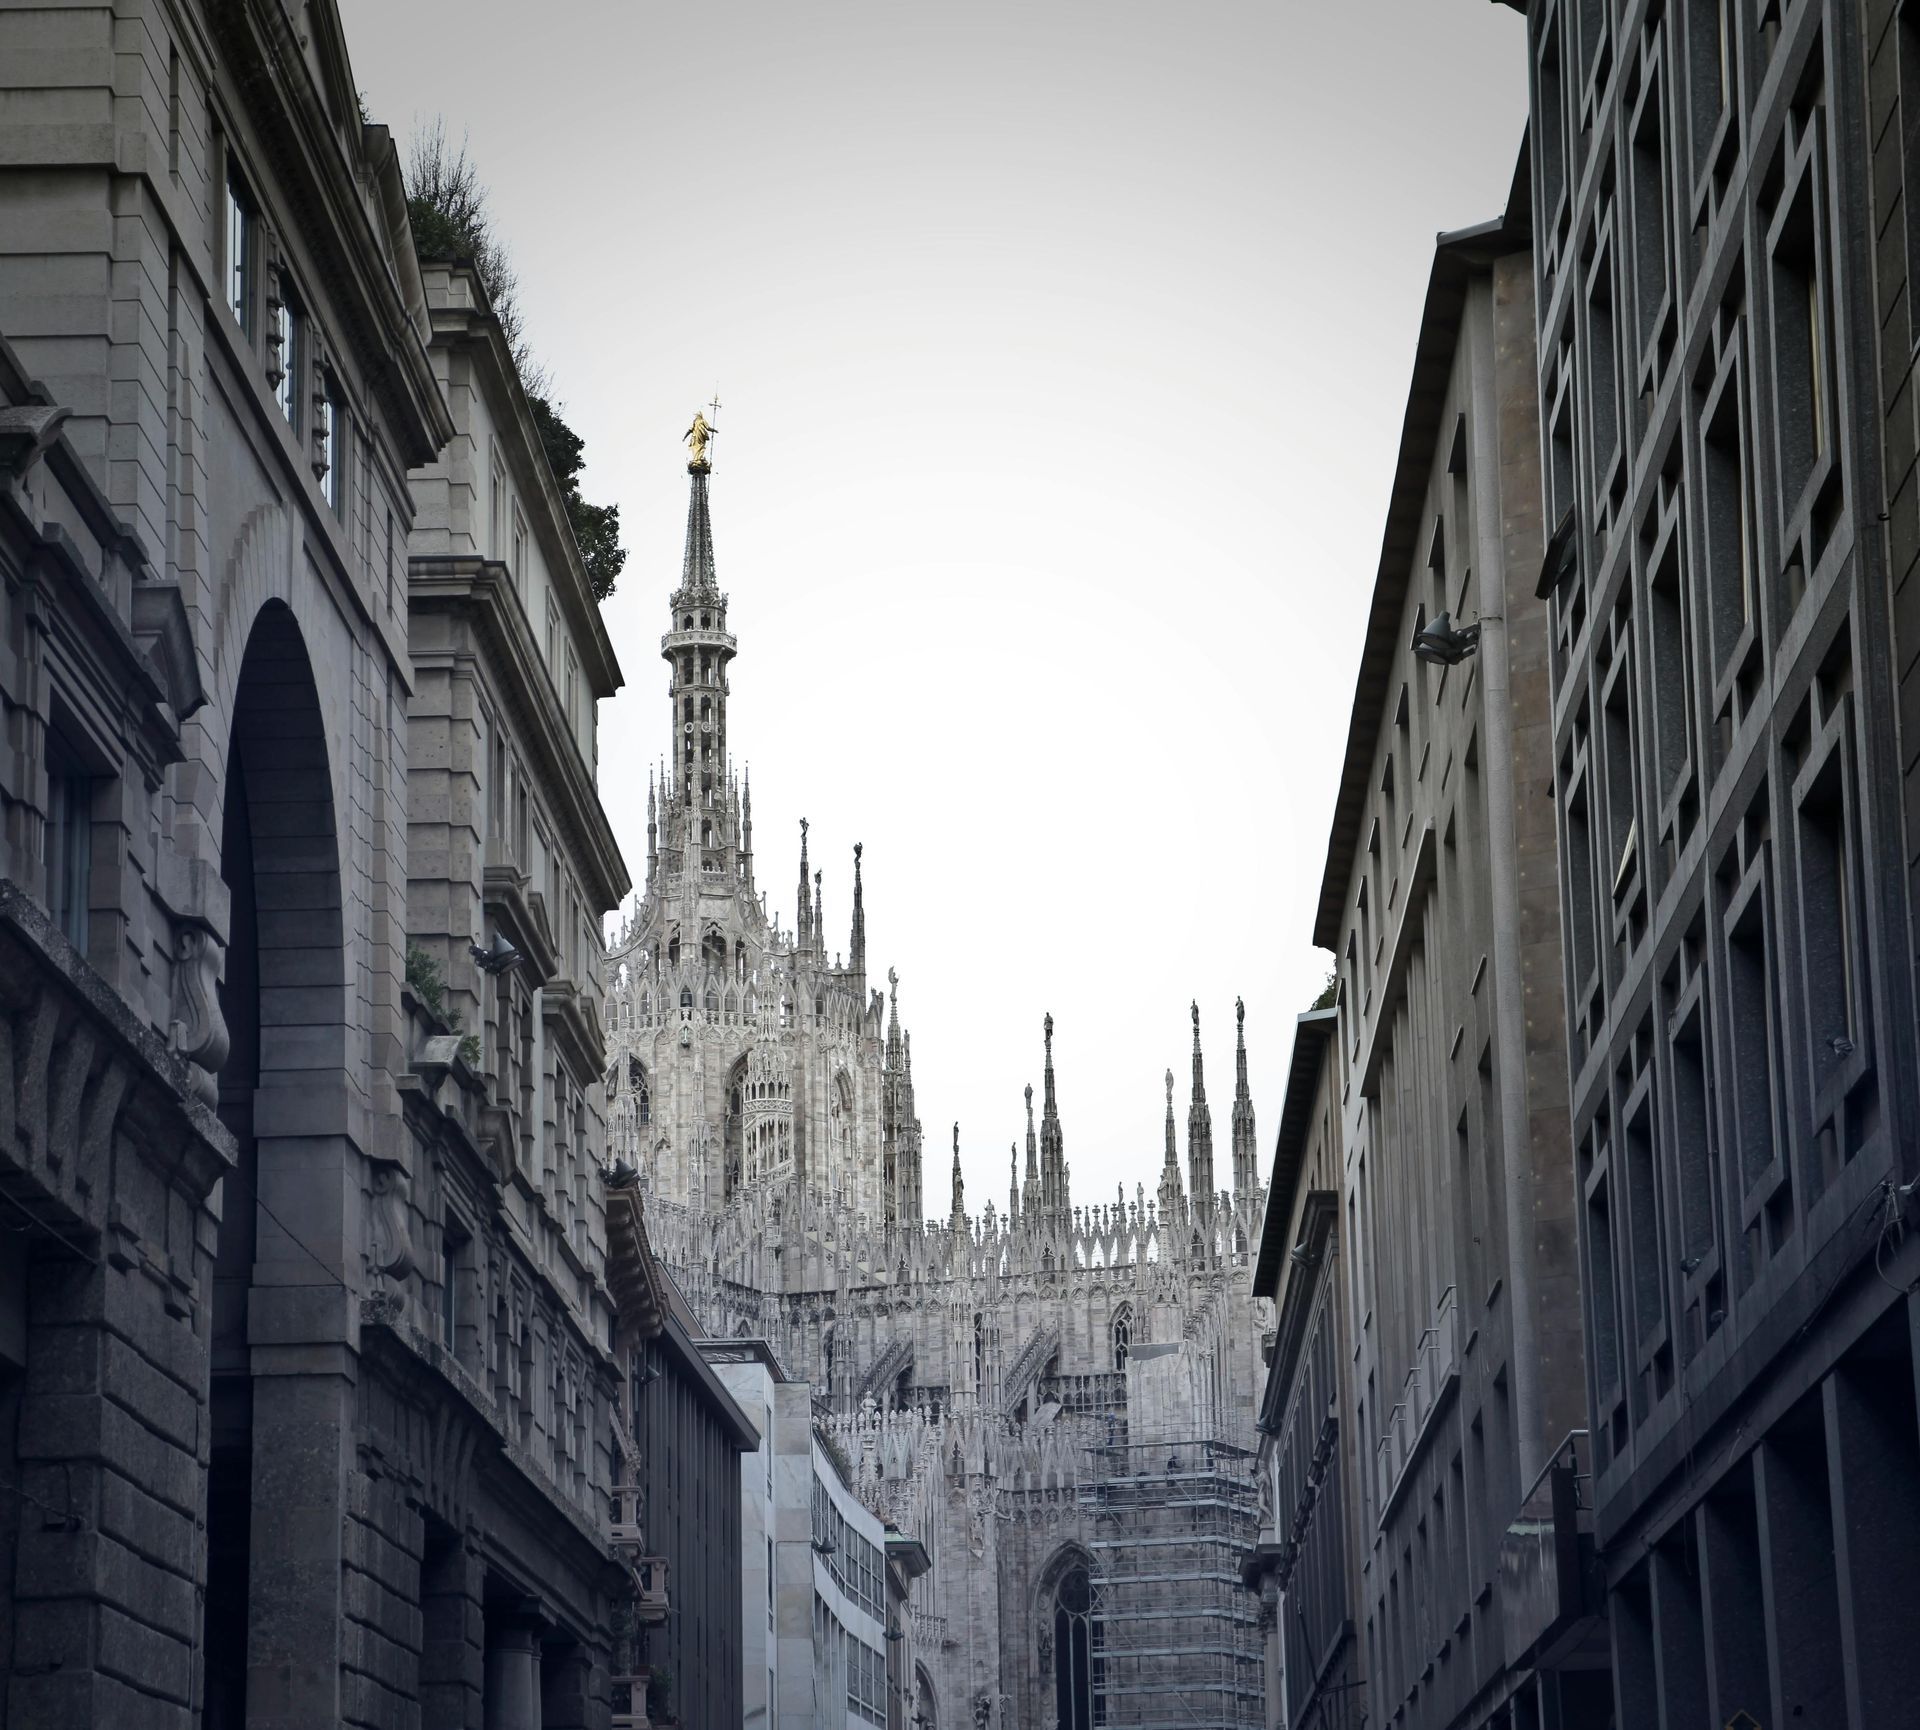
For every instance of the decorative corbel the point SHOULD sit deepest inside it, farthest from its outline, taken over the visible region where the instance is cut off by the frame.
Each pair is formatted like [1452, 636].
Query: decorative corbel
[199, 1030]
[390, 1220]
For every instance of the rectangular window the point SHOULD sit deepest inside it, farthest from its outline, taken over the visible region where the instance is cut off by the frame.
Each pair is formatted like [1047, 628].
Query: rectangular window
[288, 340]
[497, 504]
[1799, 341]
[454, 1239]
[331, 438]
[240, 250]
[553, 624]
[69, 845]
[1908, 50]
[519, 549]
[1729, 550]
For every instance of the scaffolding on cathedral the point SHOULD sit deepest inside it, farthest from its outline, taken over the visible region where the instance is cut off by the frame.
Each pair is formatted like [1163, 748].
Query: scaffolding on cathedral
[1175, 1636]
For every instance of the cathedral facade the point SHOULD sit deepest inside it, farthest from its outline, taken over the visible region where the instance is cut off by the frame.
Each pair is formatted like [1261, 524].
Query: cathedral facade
[1055, 1400]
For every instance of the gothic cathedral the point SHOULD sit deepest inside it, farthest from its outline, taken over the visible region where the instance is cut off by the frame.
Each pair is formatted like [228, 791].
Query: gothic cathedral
[1055, 1400]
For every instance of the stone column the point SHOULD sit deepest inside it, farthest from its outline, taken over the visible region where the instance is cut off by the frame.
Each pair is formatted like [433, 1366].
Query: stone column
[573, 1691]
[453, 1635]
[513, 1675]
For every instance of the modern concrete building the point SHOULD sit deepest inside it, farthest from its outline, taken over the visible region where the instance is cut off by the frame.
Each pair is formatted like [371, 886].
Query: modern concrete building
[1723, 281]
[1456, 1193]
[1306, 1560]
[751, 1373]
[682, 1437]
[825, 1583]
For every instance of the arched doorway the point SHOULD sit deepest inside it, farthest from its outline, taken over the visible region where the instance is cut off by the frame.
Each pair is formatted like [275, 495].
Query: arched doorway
[284, 1001]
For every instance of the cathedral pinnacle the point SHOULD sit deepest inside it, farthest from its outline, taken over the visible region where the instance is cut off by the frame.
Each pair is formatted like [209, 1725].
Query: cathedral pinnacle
[1245, 1149]
[1199, 1135]
[1054, 1205]
[857, 949]
[803, 914]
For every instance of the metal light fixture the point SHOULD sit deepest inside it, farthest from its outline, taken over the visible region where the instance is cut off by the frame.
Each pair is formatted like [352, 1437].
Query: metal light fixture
[1445, 643]
[498, 958]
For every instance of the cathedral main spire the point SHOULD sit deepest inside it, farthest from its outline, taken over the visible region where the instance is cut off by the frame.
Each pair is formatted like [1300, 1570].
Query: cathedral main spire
[1246, 1158]
[697, 647]
[1199, 1135]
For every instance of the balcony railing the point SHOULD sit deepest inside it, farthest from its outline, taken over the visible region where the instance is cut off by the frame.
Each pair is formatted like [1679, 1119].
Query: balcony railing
[626, 1515]
[650, 1580]
[1429, 1385]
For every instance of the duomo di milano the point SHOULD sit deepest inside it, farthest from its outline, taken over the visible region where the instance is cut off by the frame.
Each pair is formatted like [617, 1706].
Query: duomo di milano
[1055, 1399]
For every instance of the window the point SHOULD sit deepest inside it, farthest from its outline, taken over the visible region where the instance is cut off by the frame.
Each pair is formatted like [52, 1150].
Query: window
[1908, 64]
[69, 844]
[571, 680]
[240, 250]
[454, 1239]
[289, 342]
[1122, 1338]
[331, 448]
[1073, 1652]
[519, 548]
[553, 624]
[497, 503]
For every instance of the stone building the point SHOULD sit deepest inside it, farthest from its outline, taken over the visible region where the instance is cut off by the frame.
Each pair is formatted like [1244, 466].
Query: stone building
[1008, 1388]
[1439, 902]
[1723, 281]
[309, 1411]
[111, 1154]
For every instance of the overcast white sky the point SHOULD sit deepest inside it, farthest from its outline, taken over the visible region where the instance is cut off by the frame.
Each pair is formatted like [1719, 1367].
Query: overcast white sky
[1062, 351]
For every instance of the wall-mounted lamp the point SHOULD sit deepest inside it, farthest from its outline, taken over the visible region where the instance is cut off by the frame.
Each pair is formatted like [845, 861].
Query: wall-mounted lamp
[1445, 643]
[496, 959]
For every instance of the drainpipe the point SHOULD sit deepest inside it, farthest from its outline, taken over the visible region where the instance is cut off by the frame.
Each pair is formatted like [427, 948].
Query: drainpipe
[1497, 731]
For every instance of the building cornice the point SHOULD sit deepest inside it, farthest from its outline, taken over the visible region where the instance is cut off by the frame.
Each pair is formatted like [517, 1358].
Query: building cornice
[1311, 1032]
[474, 330]
[483, 590]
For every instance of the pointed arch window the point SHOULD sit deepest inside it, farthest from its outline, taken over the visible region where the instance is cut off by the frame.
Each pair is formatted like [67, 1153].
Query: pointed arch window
[1122, 1337]
[1073, 1651]
[979, 1349]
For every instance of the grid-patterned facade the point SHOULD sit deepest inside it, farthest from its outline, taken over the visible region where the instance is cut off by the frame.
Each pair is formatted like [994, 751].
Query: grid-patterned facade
[1738, 994]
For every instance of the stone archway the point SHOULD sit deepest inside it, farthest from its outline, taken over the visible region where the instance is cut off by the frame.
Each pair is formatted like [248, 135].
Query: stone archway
[284, 1094]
